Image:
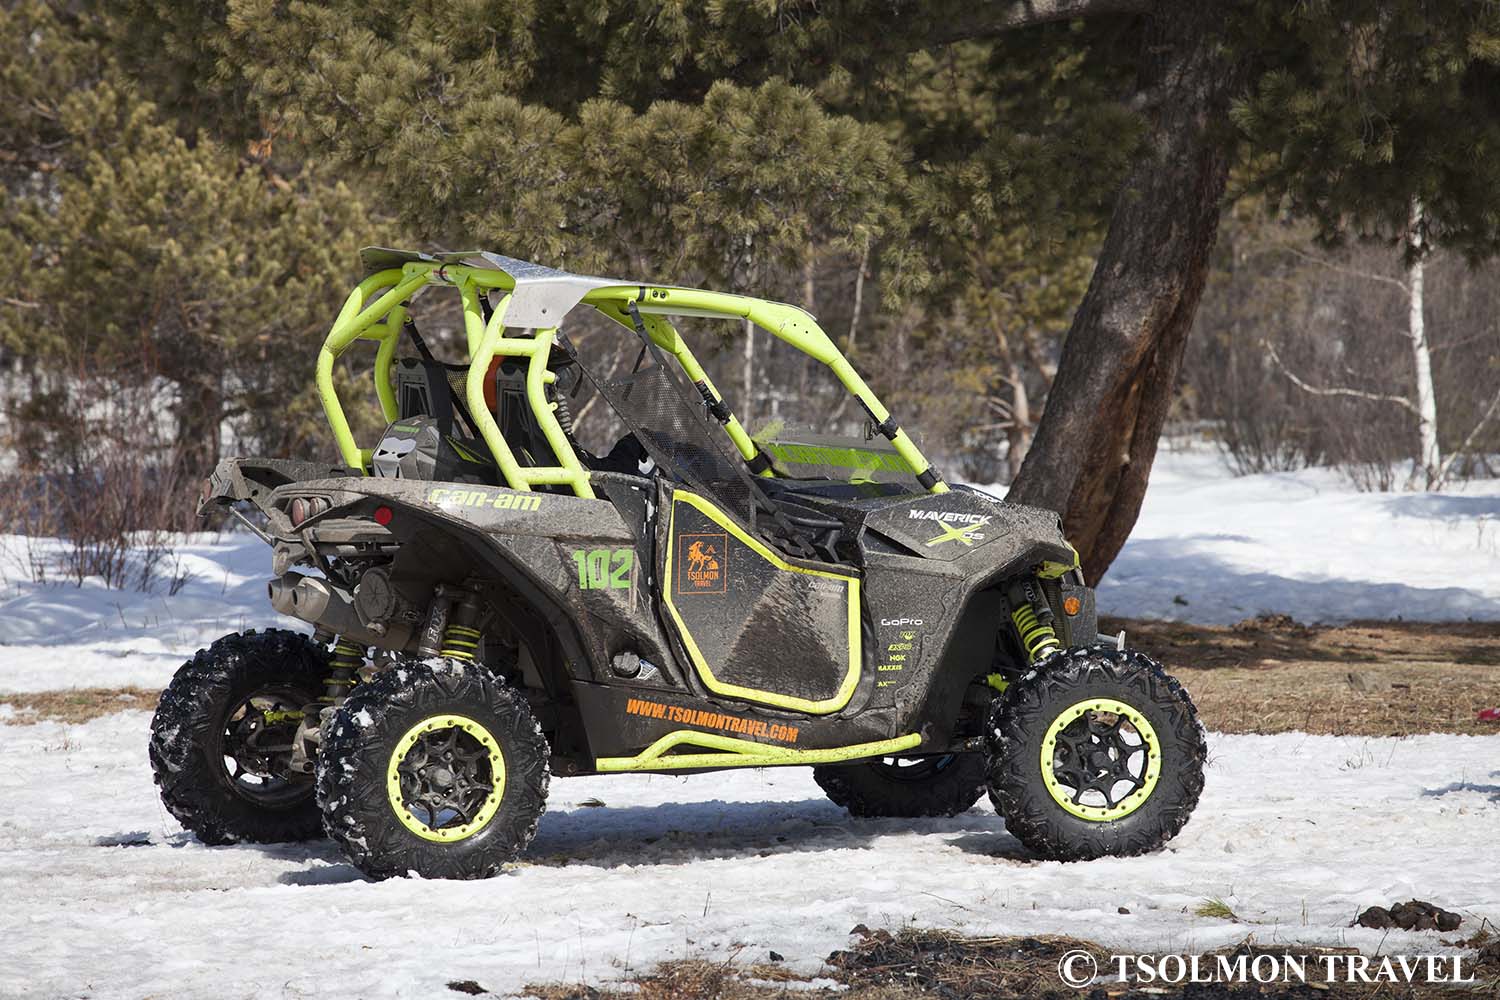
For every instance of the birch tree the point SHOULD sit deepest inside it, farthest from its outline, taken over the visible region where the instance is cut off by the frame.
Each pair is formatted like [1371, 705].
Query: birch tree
[1430, 467]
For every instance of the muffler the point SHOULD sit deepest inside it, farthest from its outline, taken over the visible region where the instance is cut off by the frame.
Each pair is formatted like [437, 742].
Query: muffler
[329, 607]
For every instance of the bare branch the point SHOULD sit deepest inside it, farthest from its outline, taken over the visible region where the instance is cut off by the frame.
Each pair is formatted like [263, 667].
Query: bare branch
[1468, 443]
[985, 20]
[1380, 397]
[1352, 272]
[1038, 357]
[859, 296]
[19, 303]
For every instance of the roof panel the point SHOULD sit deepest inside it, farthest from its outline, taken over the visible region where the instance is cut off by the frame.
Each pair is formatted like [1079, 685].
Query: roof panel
[542, 296]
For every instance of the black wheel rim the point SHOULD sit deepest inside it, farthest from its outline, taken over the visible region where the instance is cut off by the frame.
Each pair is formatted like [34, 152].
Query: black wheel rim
[256, 748]
[1101, 759]
[446, 778]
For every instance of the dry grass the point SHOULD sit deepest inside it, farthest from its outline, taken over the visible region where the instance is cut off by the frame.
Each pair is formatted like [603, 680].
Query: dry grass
[1365, 679]
[695, 979]
[943, 964]
[879, 966]
[78, 704]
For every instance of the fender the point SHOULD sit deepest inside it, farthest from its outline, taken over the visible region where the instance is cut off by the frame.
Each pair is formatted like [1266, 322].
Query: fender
[515, 539]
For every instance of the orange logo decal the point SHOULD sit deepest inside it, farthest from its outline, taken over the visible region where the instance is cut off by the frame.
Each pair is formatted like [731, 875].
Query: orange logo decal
[712, 720]
[700, 564]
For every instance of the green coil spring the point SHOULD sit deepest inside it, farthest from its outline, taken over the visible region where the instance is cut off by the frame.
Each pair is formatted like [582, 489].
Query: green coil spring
[460, 642]
[1039, 637]
[343, 665]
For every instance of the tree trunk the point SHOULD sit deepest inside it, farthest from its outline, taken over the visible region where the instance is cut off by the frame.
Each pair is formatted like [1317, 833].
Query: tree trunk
[200, 410]
[1094, 446]
[747, 376]
[1018, 434]
[1431, 456]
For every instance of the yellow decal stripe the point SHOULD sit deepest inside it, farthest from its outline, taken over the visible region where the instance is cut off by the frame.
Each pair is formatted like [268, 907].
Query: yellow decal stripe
[845, 691]
[744, 753]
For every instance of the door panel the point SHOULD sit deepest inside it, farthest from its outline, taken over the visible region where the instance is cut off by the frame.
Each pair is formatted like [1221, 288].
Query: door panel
[758, 626]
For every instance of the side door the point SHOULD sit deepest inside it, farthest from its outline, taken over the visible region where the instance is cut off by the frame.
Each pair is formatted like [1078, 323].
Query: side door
[758, 626]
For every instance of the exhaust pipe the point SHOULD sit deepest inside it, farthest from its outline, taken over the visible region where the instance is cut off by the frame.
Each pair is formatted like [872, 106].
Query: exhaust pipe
[320, 603]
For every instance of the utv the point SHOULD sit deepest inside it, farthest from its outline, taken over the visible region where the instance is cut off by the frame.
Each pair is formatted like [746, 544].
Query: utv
[491, 604]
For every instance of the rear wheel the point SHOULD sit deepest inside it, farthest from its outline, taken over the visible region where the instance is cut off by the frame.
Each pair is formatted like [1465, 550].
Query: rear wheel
[433, 767]
[221, 739]
[1098, 752]
[926, 785]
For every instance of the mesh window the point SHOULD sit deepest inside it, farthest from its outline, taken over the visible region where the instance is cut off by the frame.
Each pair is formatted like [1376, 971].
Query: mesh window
[458, 379]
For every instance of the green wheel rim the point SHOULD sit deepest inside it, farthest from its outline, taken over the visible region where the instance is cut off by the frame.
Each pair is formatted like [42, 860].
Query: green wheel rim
[417, 763]
[1086, 759]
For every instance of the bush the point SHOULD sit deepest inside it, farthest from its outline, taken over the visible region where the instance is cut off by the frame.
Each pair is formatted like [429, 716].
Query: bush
[100, 479]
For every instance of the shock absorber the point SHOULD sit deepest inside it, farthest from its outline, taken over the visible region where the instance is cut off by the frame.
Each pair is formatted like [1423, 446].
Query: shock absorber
[460, 637]
[1033, 627]
[345, 663]
[460, 642]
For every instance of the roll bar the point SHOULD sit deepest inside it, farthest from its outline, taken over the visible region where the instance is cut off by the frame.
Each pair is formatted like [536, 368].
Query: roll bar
[536, 299]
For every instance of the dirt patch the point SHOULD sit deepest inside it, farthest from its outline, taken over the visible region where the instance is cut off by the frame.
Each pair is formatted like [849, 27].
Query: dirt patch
[1276, 639]
[78, 704]
[695, 979]
[917, 965]
[935, 963]
[1272, 675]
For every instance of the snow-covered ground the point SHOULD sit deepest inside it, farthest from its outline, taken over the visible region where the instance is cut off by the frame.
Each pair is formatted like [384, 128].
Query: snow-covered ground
[58, 635]
[1303, 544]
[104, 895]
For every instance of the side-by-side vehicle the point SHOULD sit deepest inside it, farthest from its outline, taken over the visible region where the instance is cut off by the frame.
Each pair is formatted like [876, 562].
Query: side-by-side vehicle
[491, 604]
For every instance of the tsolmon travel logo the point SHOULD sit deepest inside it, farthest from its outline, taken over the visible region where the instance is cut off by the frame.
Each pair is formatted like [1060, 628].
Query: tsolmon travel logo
[1082, 969]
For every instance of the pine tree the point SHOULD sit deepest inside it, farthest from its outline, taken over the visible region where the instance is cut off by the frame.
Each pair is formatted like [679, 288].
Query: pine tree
[138, 253]
[742, 140]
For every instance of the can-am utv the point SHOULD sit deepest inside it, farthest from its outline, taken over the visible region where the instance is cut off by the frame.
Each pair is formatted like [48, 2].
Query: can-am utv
[491, 604]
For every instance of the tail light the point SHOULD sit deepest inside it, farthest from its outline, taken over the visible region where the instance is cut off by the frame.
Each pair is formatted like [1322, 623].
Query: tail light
[303, 508]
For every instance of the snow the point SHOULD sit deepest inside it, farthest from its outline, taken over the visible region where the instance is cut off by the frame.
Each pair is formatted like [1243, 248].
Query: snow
[1304, 544]
[59, 635]
[106, 896]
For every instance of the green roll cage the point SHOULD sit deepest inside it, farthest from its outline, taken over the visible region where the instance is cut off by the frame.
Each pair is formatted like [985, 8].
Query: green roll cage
[536, 298]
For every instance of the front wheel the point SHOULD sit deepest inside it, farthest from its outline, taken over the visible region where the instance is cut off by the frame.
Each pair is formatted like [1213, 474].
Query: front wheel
[908, 787]
[1098, 752]
[433, 767]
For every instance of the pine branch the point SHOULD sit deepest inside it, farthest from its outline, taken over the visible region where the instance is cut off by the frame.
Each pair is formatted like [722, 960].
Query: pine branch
[1381, 397]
